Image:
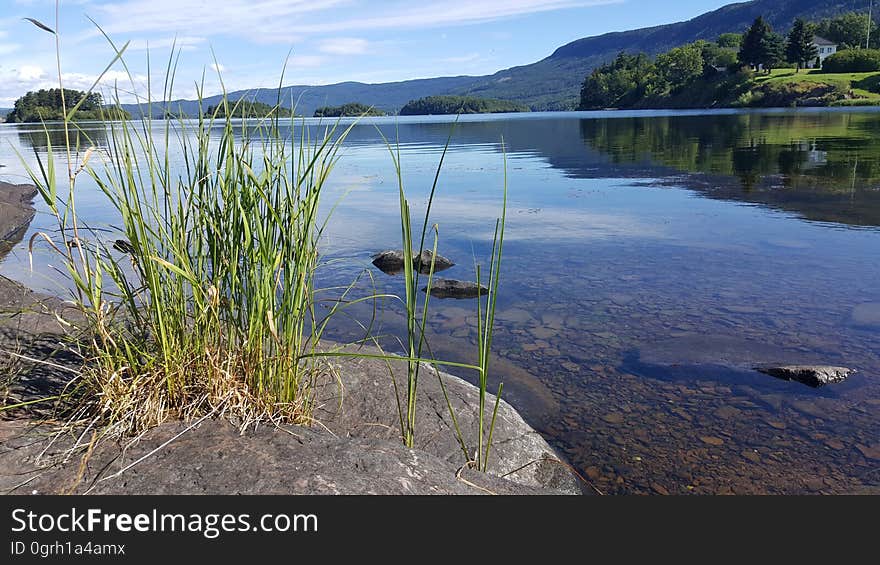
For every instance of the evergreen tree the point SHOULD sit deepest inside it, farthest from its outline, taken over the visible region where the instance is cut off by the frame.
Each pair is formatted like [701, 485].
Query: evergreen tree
[772, 51]
[800, 48]
[753, 50]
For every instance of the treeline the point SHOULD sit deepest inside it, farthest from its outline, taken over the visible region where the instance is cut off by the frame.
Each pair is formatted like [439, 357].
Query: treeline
[633, 80]
[46, 105]
[703, 72]
[247, 109]
[437, 105]
[355, 109]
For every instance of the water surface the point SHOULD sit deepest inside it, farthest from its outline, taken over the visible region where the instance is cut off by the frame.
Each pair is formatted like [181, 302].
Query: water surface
[651, 259]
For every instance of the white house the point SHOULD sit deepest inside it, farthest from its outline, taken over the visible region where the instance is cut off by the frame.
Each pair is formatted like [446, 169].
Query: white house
[824, 48]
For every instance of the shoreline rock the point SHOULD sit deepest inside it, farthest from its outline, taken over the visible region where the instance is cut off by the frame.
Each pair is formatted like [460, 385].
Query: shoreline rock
[16, 212]
[355, 449]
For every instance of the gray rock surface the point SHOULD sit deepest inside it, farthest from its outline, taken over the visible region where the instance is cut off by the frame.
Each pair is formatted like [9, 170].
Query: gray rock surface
[16, 212]
[811, 375]
[364, 406]
[354, 448]
[216, 458]
[449, 288]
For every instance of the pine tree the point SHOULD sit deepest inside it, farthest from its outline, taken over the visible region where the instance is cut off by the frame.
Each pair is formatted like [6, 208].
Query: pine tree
[753, 48]
[772, 51]
[800, 48]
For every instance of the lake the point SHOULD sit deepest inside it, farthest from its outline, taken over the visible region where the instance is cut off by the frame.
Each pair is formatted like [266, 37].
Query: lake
[651, 260]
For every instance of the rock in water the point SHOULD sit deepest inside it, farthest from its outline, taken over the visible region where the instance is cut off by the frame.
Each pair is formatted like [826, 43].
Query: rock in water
[423, 263]
[811, 375]
[123, 246]
[391, 262]
[448, 288]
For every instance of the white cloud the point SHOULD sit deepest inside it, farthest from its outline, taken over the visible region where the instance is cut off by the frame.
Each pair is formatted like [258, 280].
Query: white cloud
[7, 48]
[344, 46]
[14, 82]
[28, 73]
[217, 67]
[305, 61]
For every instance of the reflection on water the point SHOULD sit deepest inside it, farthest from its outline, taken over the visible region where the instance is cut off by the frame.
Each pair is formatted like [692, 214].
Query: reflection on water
[651, 259]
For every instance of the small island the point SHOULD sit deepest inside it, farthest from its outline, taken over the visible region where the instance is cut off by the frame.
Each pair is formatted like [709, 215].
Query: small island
[433, 105]
[46, 106]
[352, 109]
[247, 109]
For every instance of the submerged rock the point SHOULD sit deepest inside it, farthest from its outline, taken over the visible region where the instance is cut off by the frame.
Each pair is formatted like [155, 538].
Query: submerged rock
[391, 262]
[423, 262]
[449, 288]
[811, 375]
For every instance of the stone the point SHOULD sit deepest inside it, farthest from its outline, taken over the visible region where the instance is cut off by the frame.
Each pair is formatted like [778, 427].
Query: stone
[215, 457]
[712, 440]
[391, 262]
[449, 288]
[835, 444]
[614, 418]
[123, 246]
[366, 407]
[16, 212]
[870, 451]
[659, 489]
[811, 375]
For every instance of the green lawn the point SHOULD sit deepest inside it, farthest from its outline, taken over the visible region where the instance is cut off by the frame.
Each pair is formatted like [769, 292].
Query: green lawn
[864, 85]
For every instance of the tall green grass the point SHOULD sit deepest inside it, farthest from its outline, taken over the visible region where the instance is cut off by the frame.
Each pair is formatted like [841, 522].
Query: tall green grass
[417, 312]
[206, 300]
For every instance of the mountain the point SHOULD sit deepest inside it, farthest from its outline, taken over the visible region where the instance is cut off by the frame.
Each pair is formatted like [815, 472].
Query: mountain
[389, 97]
[554, 82]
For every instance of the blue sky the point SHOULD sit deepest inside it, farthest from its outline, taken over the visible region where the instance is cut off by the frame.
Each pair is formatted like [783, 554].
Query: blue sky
[329, 40]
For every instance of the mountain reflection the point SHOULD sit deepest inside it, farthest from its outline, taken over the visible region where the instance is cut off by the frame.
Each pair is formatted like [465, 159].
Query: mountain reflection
[822, 166]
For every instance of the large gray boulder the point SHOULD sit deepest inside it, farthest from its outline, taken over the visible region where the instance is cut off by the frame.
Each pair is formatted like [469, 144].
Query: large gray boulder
[354, 447]
[362, 404]
[215, 457]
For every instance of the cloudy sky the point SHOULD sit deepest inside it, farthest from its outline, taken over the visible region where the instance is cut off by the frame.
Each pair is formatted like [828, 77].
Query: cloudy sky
[323, 41]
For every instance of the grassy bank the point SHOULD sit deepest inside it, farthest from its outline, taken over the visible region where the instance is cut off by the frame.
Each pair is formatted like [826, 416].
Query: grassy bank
[855, 88]
[781, 88]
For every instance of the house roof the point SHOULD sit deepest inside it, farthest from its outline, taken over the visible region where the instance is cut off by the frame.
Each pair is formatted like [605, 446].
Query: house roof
[822, 41]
